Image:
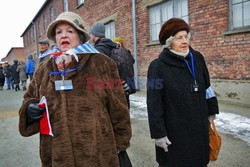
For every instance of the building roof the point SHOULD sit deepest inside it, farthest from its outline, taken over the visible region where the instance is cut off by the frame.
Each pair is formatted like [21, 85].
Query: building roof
[12, 48]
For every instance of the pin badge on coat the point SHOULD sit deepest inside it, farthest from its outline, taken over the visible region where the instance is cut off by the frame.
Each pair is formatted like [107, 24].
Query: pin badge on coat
[63, 85]
[195, 88]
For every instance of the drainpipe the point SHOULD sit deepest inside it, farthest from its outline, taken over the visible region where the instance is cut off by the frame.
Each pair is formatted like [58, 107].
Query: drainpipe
[135, 42]
[36, 41]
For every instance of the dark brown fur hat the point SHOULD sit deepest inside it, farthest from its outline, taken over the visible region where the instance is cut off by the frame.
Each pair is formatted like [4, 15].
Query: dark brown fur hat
[172, 27]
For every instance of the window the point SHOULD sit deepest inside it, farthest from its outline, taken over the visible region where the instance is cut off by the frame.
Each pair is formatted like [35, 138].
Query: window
[26, 40]
[240, 13]
[160, 13]
[34, 32]
[80, 2]
[52, 14]
[44, 23]
[38, 28]
[65, 5]
[182, 10]
[28, 37]
[110, 30]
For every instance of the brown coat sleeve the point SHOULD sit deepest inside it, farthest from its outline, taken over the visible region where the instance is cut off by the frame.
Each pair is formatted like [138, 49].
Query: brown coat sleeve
[118, 110]
[31, 96]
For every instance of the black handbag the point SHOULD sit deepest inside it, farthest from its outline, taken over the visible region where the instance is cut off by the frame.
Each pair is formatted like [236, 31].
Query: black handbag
[124, 159]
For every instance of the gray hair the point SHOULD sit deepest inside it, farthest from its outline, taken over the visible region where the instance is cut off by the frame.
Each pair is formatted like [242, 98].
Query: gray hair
[171, 39]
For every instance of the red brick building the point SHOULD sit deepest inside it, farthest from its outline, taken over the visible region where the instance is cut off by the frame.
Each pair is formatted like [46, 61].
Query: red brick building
[15, 53]
[220, 31]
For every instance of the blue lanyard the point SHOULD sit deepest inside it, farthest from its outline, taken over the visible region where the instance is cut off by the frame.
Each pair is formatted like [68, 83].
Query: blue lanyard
[66, 71]
[192, 71]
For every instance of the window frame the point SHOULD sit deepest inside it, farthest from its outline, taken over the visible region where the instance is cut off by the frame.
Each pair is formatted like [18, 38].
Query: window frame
[44, 23]
[111, 26]
[52, 13]
[38, 28]
[174, 14]
[231, 26]
[80, 2]
[65, 5]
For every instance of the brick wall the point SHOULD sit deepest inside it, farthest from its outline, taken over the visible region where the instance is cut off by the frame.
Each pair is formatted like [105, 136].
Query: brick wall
[15, 53]
[227, 56]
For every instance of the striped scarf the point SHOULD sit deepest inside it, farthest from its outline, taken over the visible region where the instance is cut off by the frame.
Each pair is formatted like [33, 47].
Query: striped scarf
[62, 60]
[46, 53]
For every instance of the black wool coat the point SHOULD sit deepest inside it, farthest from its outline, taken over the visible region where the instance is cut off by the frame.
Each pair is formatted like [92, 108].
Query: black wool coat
[105, 46]
[15, 74]
[177, 112]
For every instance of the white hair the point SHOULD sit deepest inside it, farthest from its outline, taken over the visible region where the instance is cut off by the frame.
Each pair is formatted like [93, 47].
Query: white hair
[170, 40]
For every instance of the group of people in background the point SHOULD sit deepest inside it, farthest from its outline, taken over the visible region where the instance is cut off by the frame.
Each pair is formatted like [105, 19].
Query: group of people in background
[16, 74]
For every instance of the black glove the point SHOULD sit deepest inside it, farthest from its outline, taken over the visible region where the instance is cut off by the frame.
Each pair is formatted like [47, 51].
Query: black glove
[34, 113]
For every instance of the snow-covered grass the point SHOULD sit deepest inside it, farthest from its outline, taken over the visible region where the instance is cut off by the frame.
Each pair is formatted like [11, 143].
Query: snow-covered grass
[229, 123]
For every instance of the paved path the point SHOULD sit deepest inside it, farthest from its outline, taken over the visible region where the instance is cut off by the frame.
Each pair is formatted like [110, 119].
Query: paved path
[16, 151]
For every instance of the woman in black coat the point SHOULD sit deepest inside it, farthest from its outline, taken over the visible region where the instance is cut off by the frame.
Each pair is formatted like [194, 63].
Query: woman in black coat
[179, 108]
[15, 75]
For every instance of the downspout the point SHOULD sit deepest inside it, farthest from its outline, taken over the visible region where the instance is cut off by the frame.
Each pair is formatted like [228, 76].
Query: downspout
[36, 41]
[135, 42]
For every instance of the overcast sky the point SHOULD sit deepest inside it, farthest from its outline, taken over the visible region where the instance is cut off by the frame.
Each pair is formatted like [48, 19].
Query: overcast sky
[15, 16]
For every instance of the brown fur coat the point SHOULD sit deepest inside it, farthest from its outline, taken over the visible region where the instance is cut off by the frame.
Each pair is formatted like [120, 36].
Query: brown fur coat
[89, 125]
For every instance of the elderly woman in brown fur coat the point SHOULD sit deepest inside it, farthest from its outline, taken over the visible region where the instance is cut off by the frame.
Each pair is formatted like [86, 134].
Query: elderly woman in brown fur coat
[85, 108]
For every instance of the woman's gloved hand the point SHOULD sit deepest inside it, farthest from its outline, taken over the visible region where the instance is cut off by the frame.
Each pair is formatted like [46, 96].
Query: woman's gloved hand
[163, 143]
[34, 112]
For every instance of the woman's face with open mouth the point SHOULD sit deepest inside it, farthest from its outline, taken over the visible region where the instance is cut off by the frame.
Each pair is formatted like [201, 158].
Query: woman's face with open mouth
[66, 37]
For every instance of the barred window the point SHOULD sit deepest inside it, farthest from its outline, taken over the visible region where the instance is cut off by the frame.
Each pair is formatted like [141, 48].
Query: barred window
[110, 30]
[162, 12]
[66, 5]
[240, 13]
[80, 2]
[52, 14]
[44, 23]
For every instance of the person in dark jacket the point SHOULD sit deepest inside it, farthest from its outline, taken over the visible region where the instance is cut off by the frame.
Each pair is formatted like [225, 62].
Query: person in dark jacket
[7, 74]
[15, 75]
[97, 38]
[181, 104]
[104, 45]
[2, 77]
[30, 67]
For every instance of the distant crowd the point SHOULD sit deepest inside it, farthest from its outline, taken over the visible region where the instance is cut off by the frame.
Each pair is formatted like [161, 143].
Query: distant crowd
[16, 74]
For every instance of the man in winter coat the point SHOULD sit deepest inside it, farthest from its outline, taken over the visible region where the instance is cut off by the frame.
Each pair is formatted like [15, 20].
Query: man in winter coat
[105, 46]
[44, 53]
[97, 38]
[180, 107]
[44, 50]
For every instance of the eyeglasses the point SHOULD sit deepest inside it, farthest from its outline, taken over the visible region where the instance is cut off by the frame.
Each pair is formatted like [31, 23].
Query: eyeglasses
[181, 38]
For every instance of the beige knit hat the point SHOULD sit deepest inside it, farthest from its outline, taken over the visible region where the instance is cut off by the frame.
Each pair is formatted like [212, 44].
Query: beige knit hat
[69, 17]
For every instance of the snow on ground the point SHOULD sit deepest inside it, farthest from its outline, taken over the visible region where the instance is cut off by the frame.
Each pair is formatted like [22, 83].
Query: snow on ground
[229, 123]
